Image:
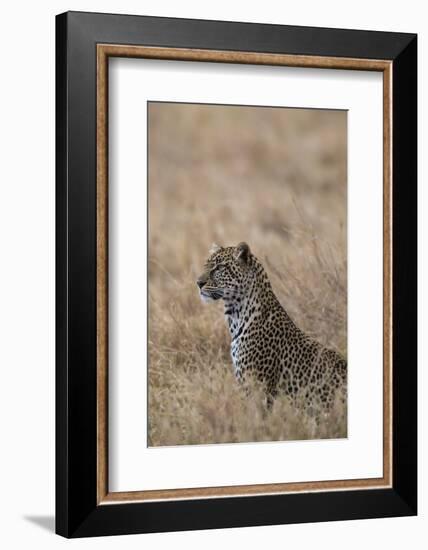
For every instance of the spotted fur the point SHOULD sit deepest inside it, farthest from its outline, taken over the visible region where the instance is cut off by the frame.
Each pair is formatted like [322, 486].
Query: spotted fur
[264, 339]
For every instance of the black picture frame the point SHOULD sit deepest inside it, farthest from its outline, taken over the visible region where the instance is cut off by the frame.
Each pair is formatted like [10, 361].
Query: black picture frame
[77, 511]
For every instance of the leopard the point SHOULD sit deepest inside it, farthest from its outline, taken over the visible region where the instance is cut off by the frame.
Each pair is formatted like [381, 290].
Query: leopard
[265, 343]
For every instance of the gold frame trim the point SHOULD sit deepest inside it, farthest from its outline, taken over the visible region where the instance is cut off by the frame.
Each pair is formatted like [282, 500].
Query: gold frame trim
[104, 51]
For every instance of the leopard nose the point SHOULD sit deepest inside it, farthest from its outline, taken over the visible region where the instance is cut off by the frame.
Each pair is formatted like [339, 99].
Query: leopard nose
[200, 283]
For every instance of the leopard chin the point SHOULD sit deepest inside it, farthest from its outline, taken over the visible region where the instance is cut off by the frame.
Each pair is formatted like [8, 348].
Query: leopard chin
[211, 297]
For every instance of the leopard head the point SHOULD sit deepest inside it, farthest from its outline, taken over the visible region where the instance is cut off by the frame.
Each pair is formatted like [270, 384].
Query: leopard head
[226, 273]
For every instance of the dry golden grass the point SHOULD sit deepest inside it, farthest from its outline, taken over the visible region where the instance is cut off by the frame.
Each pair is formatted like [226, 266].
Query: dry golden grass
[275, 178]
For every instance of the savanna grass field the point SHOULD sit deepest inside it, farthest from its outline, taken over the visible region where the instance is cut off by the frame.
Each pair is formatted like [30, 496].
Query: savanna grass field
[277, 179]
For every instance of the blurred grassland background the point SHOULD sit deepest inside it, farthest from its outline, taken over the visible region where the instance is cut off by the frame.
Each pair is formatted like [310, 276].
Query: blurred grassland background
[277, 179]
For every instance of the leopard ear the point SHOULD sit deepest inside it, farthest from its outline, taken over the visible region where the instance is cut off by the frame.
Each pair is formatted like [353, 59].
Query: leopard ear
[214, 248]
[242, 253]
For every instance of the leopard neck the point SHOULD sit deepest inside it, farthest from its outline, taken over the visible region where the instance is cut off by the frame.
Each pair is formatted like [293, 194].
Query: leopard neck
[244, 308]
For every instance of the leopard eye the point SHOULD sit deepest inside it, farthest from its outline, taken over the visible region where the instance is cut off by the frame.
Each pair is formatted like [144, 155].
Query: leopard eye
[218, 268]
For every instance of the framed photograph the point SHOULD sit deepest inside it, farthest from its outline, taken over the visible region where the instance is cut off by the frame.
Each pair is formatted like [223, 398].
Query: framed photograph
[236, 274]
